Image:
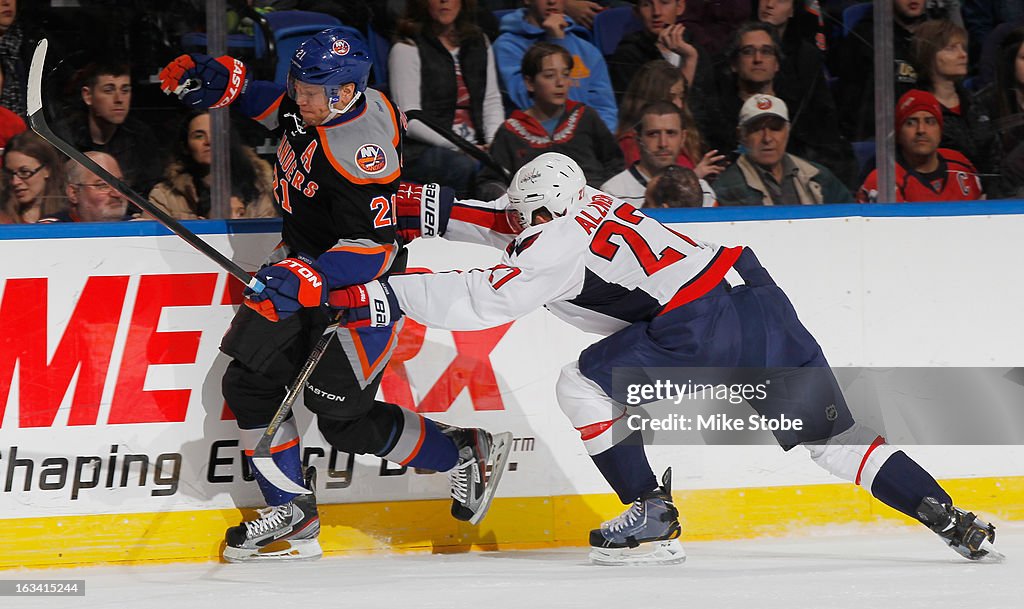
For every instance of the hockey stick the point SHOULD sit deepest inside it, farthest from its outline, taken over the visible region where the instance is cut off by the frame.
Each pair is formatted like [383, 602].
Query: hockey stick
[37, 120]
[262, 459]
[461, 143]
[261, 454]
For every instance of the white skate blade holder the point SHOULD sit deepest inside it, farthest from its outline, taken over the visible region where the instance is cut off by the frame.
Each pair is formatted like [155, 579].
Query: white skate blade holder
[307, 549]
[667, 552]
[501, 447]
[993, 555]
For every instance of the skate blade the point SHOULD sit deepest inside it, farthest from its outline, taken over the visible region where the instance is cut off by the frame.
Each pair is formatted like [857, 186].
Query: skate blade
[993, 555]
[308, 549]
[668, 552]
[501, 447]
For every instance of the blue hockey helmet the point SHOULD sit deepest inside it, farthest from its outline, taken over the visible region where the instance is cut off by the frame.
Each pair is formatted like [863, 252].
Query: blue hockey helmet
[332, 58]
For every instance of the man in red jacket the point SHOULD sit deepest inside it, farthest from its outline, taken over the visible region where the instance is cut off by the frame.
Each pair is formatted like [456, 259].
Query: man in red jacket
[925, 172]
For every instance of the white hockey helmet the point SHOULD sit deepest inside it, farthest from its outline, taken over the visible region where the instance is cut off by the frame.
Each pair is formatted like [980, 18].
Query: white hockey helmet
[551, 182]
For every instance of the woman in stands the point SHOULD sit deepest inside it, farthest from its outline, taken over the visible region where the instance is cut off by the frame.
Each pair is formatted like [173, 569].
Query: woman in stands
[185, 191]
[939, 53]
[442, 65]
[659, 80]
[33, 179]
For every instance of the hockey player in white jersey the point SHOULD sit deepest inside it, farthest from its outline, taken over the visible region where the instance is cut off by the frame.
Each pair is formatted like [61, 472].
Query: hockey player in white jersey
[661, 299]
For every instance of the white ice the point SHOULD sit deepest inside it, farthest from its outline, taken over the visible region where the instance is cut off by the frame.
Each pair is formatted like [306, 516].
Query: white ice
[848, 568]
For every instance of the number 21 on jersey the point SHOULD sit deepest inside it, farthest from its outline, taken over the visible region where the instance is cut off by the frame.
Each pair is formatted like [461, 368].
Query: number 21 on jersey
[629, 233]
[384, 217]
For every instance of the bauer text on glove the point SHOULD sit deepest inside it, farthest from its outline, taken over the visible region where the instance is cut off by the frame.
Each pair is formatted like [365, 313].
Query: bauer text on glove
[368, 305]
[423, 210]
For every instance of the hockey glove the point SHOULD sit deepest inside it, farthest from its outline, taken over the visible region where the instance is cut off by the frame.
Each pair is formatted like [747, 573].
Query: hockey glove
[423, 210]
[292, 284]
[202, 81]
[368, 305]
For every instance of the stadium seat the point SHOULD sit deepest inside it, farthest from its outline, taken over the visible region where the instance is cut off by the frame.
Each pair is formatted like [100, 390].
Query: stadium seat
[611, 24]
[852, 15]
[865, 153]
[380, 49]
[241, 46]
[500, 13]
[288, 28]
[292, 28]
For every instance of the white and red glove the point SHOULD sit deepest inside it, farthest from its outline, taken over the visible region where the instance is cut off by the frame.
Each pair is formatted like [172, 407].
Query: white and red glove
[423, 210]
[368, 305]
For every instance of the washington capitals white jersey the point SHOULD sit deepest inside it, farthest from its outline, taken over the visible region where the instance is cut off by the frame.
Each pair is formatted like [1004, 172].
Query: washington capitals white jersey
[601, 267]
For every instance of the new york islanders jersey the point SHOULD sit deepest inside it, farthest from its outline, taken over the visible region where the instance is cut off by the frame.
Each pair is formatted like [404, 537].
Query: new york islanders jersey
[601, 267]
[335, 182]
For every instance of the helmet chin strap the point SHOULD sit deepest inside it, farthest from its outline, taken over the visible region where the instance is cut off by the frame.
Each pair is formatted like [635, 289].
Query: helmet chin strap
[333, 112]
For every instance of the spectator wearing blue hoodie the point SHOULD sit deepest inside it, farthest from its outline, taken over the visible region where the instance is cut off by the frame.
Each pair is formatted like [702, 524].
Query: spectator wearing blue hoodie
[545, 21]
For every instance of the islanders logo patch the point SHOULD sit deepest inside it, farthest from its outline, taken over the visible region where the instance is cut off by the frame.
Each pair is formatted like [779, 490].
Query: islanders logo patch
[371, 158]
[340, 47]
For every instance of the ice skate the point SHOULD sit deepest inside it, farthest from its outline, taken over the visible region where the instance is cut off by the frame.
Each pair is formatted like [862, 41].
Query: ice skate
[283, 532]
[646, 533]
[967, 534]
[482, 460]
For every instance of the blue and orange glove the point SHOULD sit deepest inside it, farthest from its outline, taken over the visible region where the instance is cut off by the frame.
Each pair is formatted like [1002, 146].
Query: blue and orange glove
[368, 305]
[292, 284]
[202, 81]
[423, 210]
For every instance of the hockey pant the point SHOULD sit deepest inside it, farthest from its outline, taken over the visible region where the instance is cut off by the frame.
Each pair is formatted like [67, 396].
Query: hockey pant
[743, 324]
[267, 356]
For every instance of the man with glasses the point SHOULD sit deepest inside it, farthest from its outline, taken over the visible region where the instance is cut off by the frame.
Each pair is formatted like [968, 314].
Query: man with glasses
[90, 199]
[755, 62]
[766, 174]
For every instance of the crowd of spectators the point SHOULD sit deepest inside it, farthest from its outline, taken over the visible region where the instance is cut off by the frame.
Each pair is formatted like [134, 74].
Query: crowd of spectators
[694, 103]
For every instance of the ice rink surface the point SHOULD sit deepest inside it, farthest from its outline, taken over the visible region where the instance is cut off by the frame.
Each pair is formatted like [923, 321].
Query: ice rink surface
[839, 569]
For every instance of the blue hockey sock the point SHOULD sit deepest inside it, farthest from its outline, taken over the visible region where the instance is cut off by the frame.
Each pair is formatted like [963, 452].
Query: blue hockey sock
[287, 461]
[419, 443]
[626, 469]
[902, 484]
[438, 452]
[286, 454]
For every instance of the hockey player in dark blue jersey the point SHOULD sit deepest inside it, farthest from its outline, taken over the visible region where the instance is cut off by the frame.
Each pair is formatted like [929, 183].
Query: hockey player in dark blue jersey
[336, 173]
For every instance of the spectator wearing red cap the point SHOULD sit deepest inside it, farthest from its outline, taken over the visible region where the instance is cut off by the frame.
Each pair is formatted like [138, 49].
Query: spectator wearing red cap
[925, 172]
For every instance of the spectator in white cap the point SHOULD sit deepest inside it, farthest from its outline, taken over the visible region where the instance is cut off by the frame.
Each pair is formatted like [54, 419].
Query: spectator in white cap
[765, 174]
